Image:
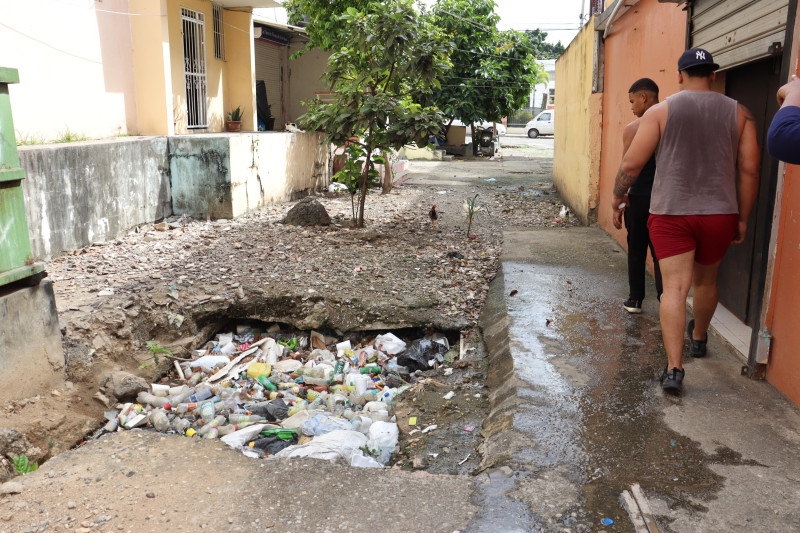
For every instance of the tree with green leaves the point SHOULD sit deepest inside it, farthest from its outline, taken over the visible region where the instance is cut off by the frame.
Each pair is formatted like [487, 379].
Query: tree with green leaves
[542, 49]
[388, 62]
[325, 25]
[493, 71]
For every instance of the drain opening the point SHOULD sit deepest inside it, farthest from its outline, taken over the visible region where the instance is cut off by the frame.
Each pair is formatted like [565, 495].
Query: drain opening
[270, 389]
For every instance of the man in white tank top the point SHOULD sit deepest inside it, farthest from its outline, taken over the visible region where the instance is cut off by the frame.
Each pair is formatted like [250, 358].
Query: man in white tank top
[699, 206]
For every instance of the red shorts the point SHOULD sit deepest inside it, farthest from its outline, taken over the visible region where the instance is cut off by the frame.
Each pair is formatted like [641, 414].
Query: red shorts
[708, 235]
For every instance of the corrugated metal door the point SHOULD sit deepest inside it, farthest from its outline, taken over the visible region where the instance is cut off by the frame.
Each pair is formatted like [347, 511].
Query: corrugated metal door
[739, 31]
[269, 67]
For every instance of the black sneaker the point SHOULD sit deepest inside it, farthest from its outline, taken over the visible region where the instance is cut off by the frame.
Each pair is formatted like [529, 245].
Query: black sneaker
[696, 348]
[672, 380]
[632, 306]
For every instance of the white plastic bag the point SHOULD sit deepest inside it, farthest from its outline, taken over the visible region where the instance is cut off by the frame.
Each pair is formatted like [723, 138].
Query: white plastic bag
[209, 362]
[237, 439]
[322, 424]
[383, 437]
[390, 344]
[330, 446]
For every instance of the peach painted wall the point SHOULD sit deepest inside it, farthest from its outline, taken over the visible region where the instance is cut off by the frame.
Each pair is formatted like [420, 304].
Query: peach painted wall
[644, 43]
[783, 370]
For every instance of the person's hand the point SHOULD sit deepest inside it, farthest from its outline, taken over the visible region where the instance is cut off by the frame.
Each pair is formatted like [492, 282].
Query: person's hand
[741, 231]
[618, 209]
[783, 92]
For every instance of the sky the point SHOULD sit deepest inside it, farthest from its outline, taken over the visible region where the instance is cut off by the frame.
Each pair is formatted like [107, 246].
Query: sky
[546, 15]
[559, 18]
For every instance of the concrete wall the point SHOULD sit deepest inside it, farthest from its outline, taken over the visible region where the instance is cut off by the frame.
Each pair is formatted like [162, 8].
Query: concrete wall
[228, 175]
[240, 68]
[80, 193]
[31, 356]
[645, 42]
[572, 164]
[75, 66]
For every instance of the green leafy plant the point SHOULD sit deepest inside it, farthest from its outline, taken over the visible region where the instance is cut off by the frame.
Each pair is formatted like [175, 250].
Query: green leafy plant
[155, 349]
[23, 465]
[235, 115]
[471, 211]
[370, 452]
[291, 344]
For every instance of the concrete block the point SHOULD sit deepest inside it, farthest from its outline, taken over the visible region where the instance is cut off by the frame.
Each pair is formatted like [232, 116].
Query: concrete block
[31, 355]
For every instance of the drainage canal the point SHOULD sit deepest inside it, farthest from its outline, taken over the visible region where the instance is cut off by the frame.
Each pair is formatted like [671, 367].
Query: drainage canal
[412, 397]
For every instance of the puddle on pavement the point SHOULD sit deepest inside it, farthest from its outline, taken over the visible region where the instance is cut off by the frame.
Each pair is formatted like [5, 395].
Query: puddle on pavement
[593, 400]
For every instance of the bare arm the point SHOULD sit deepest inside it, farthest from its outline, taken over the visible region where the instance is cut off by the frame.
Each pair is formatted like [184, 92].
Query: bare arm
[639, 152]
[789, 94]
[627, 137]
[747, 164]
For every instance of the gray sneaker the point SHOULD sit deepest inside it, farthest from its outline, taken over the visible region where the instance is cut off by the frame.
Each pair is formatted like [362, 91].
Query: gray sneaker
[696, 348]
[672, 380]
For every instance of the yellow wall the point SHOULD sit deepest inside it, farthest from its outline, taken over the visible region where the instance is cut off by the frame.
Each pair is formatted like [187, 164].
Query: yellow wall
[577, 128]
[151, 68]
[240, 70]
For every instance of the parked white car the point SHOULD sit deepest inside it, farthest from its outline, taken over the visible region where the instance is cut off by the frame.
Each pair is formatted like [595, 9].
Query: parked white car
[542, 124]
[500, 128]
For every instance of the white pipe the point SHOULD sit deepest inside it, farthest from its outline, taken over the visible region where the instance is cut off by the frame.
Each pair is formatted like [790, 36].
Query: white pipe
[611, 18]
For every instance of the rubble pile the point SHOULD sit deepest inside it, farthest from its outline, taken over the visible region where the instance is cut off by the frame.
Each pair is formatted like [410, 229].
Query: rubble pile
[276, 394]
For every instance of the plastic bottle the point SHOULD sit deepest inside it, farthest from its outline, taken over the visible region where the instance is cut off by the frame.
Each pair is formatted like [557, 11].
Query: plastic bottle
[159, 420]
[241, 419]
[215, 423]
[338, 372]
[156, 401]
[208, 410]
[181, 397]
[337, 404]
[186, 407]
[212, 434]
[180, 425]
[201, 394]
[371, 369]
[266, 383]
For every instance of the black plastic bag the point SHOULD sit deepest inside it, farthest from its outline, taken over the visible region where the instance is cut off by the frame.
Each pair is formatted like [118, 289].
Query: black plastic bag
[419, 353]
[272, 445]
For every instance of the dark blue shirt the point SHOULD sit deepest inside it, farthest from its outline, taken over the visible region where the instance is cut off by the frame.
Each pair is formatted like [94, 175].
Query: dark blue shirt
[783, 139]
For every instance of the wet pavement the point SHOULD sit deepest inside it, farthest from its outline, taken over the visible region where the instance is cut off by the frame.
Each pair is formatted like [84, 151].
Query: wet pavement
[578, 416]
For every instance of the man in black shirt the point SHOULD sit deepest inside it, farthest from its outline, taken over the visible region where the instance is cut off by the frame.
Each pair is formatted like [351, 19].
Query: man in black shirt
[643, 94]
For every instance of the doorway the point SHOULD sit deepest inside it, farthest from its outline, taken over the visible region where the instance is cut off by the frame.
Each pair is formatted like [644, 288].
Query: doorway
[754, 85]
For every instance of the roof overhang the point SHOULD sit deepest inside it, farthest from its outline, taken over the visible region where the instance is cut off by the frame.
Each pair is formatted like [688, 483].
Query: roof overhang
[605, 17]
[287, 29]
[231, 4]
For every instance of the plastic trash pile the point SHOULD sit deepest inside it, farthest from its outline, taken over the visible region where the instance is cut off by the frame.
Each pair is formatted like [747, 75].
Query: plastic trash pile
[281, 395]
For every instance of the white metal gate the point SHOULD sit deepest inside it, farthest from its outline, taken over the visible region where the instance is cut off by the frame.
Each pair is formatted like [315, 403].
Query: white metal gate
[739, 31]
[194, 68]
[269, 67]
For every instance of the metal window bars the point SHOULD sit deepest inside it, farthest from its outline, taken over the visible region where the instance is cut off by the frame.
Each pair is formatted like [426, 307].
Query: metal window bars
[219, 32]
[194, 68]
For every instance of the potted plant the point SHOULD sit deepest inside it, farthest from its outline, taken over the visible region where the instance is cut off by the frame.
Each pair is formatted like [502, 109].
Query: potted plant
[234, 122]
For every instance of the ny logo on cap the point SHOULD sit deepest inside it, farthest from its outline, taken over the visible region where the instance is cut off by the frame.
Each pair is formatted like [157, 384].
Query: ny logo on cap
[701, 55]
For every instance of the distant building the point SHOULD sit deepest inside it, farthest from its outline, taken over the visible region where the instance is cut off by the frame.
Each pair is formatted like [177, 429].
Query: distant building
[538, 93]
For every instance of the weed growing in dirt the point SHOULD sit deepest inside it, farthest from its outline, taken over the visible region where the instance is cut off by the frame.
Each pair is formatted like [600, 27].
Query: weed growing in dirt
[23, 465]
[155, 349]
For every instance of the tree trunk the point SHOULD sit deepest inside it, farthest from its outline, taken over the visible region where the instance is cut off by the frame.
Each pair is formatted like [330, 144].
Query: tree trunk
[364, 182]
[387, 174]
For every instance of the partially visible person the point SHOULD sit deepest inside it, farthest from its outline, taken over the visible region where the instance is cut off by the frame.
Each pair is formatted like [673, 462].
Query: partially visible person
[783, 139]
[642, 95]
[706, 184]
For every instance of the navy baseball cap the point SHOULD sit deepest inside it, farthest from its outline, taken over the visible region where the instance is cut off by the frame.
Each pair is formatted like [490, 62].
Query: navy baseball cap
[695, 57]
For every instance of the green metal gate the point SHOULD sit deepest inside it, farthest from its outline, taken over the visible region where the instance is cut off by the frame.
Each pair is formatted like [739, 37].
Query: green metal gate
[16, 259]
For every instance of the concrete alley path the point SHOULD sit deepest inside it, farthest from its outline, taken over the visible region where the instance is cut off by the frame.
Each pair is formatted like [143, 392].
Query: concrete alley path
[578, 415]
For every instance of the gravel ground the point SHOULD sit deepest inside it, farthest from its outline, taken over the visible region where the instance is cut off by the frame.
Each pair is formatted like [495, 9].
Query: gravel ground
[179, 281]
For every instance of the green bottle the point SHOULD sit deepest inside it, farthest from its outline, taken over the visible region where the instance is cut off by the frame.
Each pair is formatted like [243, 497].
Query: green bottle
[266, 383]
[371, 369]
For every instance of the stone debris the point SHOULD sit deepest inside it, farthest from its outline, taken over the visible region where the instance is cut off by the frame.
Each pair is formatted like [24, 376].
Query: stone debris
[289, 394]
[307, 212]
[122, 385]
